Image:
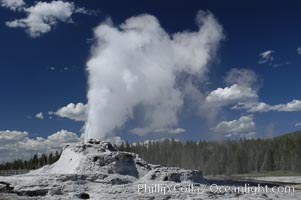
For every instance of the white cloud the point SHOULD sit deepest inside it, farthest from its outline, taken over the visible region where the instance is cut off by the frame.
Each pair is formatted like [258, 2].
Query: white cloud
[248, 136]
[39, 115]
[136, 65]
[18, 145]
[141, 131]
[144, 131]
[86, 11]
[229, 95]
[171, 131]
[63, 136]
[266, 57]
[242, 89]
[7, 137]
[292, 106]
[243, 94]
[298, 124]
[12, 4]
[298, 50]
[43, 16]
[244, 127]
[252, 106]
[115, 140]
[72, 111]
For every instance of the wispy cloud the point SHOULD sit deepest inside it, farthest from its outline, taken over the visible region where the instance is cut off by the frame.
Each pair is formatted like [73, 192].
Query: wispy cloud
[43, 16]
[266, 57]
[292, 106]
[298, 124]
[171, 130]
[144, 131]
[13, 4]
[298, 50]
[60, 68]
[39, 115]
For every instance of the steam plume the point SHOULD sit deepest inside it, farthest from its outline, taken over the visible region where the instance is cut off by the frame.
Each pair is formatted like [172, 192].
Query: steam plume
[137, 64]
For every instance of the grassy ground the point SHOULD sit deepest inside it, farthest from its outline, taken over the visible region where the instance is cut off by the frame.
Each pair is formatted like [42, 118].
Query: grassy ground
[266, 174]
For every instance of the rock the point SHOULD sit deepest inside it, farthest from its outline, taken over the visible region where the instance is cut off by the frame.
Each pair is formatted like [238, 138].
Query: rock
[175, 174]
[55, 191]
[5, 187]
[2, 187]
[84, 195]
[33, 192]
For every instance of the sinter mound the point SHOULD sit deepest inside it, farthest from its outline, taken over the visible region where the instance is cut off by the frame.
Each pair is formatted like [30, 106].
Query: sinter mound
[98, 157]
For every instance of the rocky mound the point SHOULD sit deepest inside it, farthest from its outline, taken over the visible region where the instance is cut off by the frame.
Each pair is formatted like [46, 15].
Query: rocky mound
[96, 170]
[93, 170]
[97, 157]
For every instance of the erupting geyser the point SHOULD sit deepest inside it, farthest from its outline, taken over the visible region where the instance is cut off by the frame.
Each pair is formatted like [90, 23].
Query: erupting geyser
[138, 64]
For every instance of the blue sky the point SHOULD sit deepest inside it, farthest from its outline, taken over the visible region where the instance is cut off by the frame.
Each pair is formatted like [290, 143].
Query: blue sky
[47, 72]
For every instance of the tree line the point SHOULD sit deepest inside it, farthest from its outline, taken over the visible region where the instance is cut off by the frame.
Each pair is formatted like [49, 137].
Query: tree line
[35, 162]
[211, 157]
[225, 157]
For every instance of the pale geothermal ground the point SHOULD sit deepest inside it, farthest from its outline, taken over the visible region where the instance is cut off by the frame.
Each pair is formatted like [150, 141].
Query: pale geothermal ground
[97, 171]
